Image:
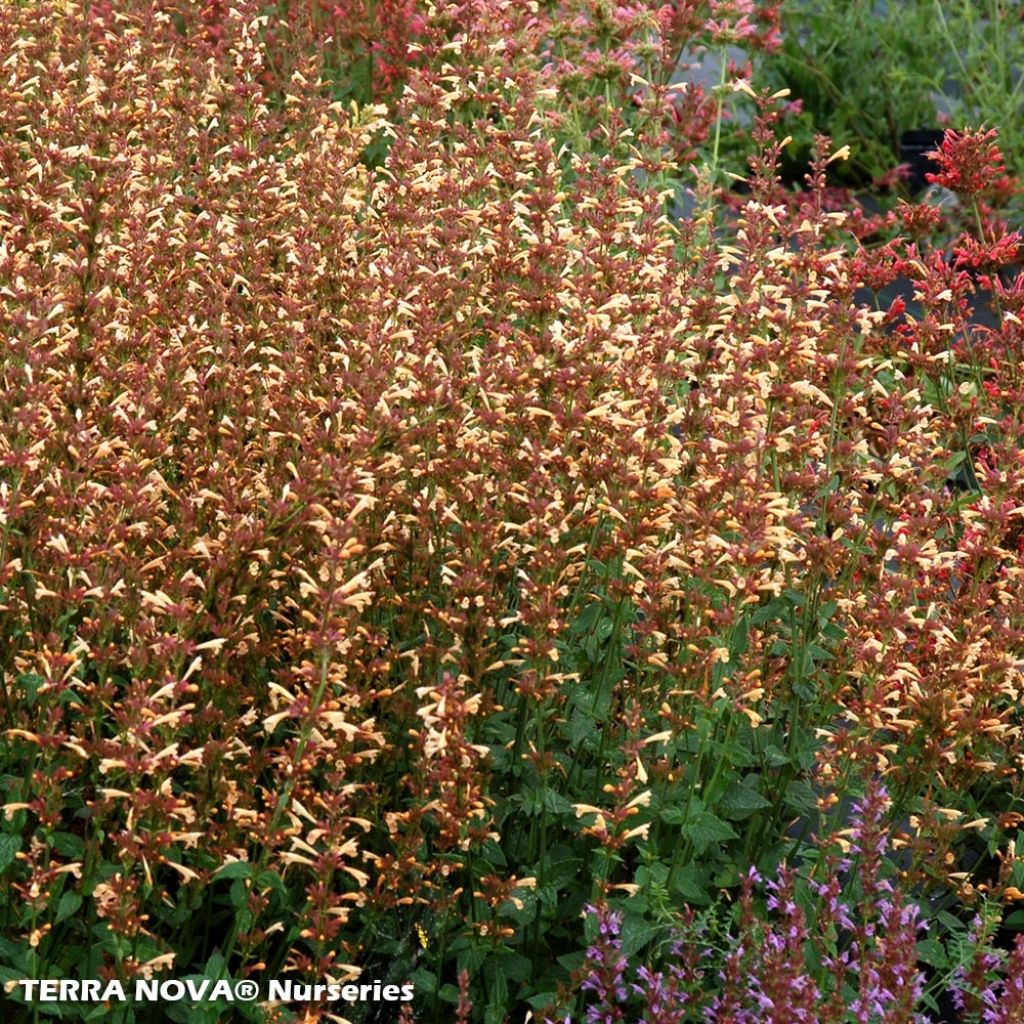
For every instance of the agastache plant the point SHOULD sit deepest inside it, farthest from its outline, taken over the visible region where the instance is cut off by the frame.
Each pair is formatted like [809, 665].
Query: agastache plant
[413, 532]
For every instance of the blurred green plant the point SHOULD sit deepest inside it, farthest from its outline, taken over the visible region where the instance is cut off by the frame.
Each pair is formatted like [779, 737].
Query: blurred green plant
[865, 71]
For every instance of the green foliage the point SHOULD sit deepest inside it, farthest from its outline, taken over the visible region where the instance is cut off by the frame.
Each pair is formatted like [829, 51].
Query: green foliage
[865, 71]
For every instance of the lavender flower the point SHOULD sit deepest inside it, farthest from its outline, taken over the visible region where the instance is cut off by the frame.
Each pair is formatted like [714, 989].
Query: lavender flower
[1009, 1008]
[605, 969]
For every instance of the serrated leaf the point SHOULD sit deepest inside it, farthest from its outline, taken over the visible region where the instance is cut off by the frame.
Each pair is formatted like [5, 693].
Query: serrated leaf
[727, 877]
[706, 829]
[581, 727]
[449, 993]
[800, 797]
[673, 815]
[215, 967]
[542, 1000]
[562, 866]
[772, 609]
[775, 757]
[740, 802]
[424, 980]
[932, 953]
[737, 755]
[470, 959]
[954, 924]
[553, 801]
[514, 966]
[9, 847]
[689, 882]
[637, 933]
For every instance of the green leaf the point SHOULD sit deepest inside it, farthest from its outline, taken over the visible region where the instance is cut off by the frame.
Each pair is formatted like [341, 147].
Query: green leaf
[737, 755]
[7, 975]
[216, 967]
[562, 865]
[637, 933]
[742, 801]
[236, 869]
[424, 980]
[553, 801]
[932, 953]
[538, 800]
[18, 956]
[688, 880]
[67, 845]
[800, 797]
[805, 690]
[470, 959]
[514, 966]
[270, 880]
[542, 1000]
[773, 609]
[190, 1013]
[673, 815]
[954, 924]
[32, 682]
[69, 905]
[571, 962]
[655, 873]
[706, 829]
[581, 727]
[449, 993]
[9, 847]
[816, 653]
[238, 893]
[954, 461]
[727, 877]
[493, 854]
[497, 984]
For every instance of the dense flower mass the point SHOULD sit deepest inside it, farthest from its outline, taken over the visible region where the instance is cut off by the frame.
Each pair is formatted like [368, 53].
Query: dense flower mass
[447, 538]
[970, 163]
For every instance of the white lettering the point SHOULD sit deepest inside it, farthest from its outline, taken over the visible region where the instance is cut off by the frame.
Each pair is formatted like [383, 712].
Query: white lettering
[280, 990]
[114, 990]
[71, 990]
[196, 991]
[172, 990]
[147, 989]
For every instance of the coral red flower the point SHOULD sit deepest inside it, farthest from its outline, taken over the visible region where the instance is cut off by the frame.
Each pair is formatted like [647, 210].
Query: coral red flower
[970, 254]
[970, 162]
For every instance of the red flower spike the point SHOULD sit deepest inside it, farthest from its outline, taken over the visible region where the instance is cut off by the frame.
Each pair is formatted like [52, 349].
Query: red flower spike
[970, 163]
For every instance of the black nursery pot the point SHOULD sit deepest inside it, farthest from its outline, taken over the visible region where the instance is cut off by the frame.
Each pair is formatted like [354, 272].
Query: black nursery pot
[914, 145]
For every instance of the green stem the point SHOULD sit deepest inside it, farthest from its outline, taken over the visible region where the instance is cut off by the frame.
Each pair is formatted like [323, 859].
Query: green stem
[285, 798]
